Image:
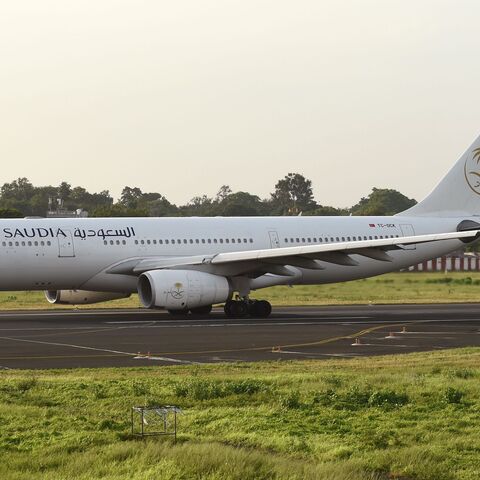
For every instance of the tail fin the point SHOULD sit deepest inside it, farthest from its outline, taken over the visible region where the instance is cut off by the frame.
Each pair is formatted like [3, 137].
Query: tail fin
[458, 193]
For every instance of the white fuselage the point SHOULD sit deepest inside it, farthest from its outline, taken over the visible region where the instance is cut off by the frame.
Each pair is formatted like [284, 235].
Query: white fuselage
[51, 254]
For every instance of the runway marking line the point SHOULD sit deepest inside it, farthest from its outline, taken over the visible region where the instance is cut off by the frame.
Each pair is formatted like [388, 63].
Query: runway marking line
[83, 347]
[121, 353]
[263, 348]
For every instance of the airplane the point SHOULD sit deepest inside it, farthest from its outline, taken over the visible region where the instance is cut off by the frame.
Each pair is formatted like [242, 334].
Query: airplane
[186, 265]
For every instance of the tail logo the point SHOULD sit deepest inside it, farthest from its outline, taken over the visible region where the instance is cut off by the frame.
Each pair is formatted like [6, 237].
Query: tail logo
[472, 170]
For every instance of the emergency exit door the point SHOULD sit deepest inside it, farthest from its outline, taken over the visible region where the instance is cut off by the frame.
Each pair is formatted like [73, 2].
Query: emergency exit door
[274, 240]
[65, 244]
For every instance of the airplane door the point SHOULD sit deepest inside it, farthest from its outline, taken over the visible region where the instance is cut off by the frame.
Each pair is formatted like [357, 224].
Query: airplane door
[65, 245]
[408, 231]
[274, 240]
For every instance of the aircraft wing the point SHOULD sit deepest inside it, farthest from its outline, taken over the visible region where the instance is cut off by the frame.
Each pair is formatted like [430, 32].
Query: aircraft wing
[275, 260]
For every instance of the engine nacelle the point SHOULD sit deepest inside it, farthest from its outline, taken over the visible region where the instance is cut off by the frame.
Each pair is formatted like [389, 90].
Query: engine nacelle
[81, 297]
[181, 289]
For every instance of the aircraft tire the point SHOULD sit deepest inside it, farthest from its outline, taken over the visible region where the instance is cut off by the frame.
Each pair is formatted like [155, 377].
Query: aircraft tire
[235, 309]
[260, 308]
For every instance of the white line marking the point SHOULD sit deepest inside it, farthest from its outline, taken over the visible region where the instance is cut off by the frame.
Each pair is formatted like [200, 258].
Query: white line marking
[315, 354]
[83, 347]
[162, 359]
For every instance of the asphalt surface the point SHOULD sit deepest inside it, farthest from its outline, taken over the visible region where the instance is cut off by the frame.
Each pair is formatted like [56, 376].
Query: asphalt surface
[98, 338]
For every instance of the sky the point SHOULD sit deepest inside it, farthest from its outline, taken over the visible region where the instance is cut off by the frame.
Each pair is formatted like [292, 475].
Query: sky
[182, 97]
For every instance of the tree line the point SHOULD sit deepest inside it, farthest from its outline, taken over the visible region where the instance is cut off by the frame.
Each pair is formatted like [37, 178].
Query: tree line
[292, 195]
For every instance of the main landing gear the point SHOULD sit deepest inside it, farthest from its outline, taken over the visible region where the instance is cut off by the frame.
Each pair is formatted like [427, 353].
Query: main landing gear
[244, 307]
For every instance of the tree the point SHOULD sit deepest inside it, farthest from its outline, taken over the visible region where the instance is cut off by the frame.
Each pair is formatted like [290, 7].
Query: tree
[240, 204]
[64, 190]
[10, 213]
[223, 193]
[383, 201]
[130, 197]
[293, 195]
[17, 195]
[201, 206]
[118, 210]
[326, 211]
[161, 207]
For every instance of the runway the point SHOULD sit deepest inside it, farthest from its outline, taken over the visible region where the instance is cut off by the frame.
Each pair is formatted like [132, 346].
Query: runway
[128, 338]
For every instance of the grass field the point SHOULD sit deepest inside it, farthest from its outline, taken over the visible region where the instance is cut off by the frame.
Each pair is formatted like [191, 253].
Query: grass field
[398, 417]
[390, 288]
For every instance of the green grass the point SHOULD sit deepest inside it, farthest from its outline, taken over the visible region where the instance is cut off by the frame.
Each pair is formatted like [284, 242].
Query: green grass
[398, 417]
[389, 288]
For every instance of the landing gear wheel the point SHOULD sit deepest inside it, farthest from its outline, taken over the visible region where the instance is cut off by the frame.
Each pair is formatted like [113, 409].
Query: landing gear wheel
[177, 313]
[236, 308]
[260, 308]
[205, 310]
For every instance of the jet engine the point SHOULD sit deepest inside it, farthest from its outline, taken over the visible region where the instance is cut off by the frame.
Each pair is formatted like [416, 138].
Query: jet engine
[81, 297]
[181, 289]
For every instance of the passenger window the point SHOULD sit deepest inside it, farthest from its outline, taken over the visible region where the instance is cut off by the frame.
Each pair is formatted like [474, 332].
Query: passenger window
[142, 242]
[117, 242]
[36, 244]
[303, 240]
[17, 244]
[221, 240]
[173, 241]
[111, 242]
[197, 240]
[309, 240]
[298, 240]
[166, 242]
[343, 239]
[214, 240]
[42, 243]
[154, 242]
[179, 241]
[233, 240]
[4, 244]
[148, 242]
[185, 240]
[209, 240]
[191, 240]
[314, 240]
[203, 240]
[124, 242]
[286, 240]
[136, 242]
[338, 239]
[251, 240]
[376, 238]
[106, 243]
[10, 244]
[23, 244]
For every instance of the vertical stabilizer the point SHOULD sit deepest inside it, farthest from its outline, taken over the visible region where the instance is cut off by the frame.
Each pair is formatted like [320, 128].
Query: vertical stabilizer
[458, 193]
